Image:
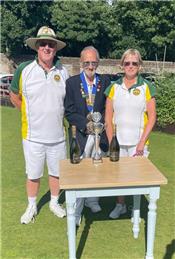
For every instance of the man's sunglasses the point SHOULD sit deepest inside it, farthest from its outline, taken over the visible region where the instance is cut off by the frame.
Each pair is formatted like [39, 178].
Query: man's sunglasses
[46, 43]
[88, 63]
[128, 63]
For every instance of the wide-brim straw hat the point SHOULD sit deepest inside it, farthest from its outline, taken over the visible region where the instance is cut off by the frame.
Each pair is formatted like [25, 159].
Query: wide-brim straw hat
[45, 33]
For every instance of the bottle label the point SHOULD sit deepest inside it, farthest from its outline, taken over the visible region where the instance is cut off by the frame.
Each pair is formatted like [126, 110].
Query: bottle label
[114, 156]
[75, 159]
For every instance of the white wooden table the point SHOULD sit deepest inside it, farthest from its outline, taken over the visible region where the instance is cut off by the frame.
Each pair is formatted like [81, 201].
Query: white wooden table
[129, 176]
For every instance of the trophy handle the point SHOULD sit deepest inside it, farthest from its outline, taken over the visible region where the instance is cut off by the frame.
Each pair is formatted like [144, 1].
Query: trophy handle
[98, 129]
[97, 158]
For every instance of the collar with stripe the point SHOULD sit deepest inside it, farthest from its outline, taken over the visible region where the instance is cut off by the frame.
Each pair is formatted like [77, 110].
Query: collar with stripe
[139, 82]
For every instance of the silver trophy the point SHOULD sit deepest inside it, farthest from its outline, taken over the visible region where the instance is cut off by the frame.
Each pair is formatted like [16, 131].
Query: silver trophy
[98, 129]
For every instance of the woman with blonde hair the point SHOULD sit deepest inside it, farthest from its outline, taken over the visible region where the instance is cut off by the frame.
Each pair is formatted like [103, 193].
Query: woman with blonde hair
[131, 106]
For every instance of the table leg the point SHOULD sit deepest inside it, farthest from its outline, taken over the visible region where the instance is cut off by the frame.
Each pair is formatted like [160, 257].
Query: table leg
[154, 195]
[136, 215]
[70, 206]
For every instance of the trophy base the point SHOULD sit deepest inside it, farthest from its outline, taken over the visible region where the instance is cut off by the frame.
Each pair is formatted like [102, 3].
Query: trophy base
[97, 161]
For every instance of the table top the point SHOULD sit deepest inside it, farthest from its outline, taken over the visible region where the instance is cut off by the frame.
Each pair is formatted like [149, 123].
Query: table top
[128, 171]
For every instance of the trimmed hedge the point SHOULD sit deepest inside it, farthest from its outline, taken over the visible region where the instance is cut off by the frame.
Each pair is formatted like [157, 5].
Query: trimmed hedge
[165, 100]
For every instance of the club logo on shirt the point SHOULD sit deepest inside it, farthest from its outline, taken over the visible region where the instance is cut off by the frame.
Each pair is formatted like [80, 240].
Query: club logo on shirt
[56, 77]
[136, 91]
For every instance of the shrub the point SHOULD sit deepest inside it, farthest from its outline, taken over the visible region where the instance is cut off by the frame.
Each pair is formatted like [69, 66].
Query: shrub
[165, 100]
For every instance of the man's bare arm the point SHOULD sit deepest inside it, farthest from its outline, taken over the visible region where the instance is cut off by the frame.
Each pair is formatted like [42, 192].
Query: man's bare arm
[16, 100]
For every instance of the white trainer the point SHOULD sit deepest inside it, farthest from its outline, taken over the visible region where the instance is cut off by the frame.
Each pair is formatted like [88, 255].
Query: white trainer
[95, 207]
[117, 211]
[57, 210]
[29, 214]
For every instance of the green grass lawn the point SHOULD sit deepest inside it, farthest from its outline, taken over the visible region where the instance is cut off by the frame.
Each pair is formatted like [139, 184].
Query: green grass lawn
[98, 237]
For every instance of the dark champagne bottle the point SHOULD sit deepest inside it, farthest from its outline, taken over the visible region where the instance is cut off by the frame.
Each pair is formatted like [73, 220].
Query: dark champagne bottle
[114, 148]
[74, 148]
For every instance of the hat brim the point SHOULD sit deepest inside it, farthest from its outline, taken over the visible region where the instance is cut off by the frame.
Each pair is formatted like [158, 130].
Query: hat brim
[31, 42]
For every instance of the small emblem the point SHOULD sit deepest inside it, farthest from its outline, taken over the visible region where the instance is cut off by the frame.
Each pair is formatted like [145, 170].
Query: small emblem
[136, 91]
[57, 77]
[45, 30]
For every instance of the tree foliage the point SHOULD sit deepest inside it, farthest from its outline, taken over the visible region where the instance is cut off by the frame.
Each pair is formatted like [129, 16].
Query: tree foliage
[80, 23]
[148, 26]
[20, 20]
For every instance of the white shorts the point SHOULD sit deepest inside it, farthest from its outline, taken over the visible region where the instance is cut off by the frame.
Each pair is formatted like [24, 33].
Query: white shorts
[126, 151]
[37, 153]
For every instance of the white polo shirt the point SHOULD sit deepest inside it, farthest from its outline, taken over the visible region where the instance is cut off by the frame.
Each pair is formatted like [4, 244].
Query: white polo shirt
[42, 101]
[130, 114]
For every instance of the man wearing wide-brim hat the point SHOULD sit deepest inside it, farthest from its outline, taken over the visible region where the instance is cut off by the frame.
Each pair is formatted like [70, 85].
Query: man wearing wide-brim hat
[45, 33]
[38, 90]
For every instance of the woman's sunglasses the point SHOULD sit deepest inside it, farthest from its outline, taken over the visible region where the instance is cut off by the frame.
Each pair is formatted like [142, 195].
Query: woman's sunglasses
[128, 63]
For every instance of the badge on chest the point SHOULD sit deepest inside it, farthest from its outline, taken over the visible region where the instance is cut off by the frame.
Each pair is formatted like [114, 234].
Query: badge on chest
[136, 91]
[56, 77]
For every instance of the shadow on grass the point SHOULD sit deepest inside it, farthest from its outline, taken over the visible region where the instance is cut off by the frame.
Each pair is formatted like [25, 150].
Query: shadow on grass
[170, 250]
[107, 204]
[46, 198]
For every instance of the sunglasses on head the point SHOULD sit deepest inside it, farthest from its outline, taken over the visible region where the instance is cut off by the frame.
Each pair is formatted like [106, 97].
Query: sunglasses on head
[92, 63]
[47, 43]
[128, 63]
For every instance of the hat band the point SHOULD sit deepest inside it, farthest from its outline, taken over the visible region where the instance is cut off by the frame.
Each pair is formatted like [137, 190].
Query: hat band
[47, 36]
